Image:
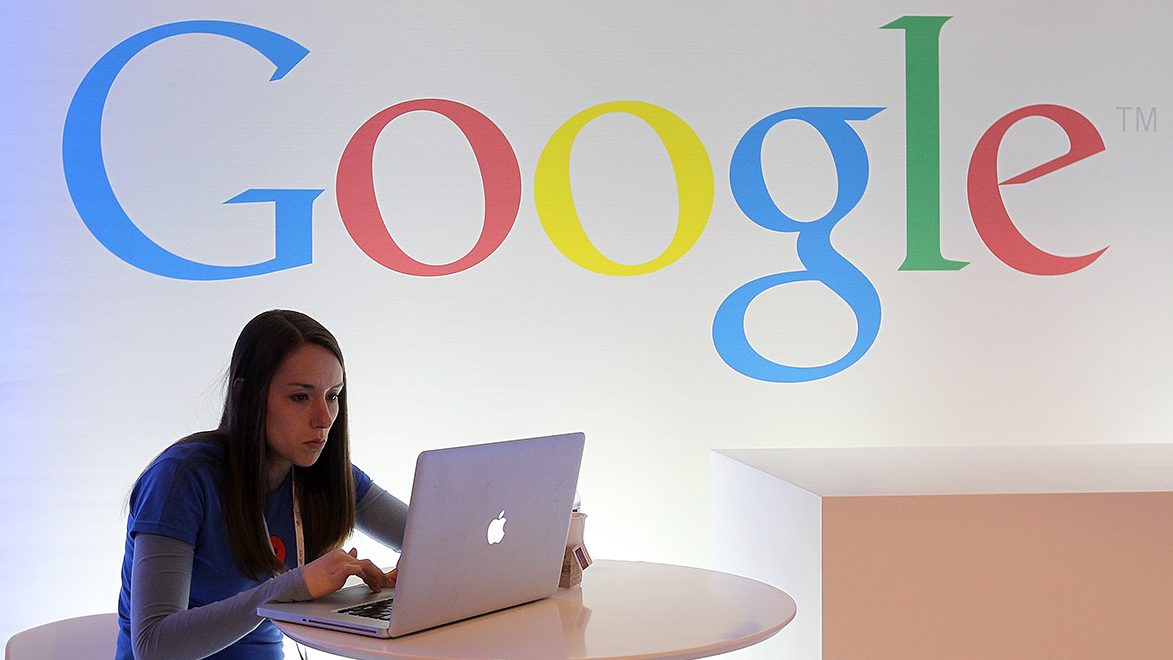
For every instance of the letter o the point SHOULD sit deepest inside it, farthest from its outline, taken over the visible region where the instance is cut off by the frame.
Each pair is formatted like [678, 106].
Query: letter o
[555, 200]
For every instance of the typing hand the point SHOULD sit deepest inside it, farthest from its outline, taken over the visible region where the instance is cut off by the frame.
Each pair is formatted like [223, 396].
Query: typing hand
[391, 575]
[328, 573]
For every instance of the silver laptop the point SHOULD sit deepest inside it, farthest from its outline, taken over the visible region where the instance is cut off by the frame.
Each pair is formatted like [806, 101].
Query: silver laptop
[486, 529]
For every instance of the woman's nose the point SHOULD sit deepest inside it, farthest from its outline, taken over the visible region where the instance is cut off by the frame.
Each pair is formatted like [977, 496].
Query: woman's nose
[323, 417]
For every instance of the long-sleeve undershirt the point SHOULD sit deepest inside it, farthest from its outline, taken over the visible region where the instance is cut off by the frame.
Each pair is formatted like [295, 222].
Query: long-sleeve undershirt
[163, 627]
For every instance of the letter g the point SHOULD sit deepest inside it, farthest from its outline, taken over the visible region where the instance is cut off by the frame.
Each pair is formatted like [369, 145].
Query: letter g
[89, 185]
[823, 263]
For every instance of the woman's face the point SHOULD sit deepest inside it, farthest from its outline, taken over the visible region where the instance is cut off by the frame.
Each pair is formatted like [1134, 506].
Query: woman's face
[302, 406]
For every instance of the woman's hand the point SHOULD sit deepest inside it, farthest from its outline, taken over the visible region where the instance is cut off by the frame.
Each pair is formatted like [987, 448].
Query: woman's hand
[328, 573]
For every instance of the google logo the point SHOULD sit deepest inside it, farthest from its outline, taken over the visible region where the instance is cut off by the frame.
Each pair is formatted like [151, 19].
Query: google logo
[99, 208]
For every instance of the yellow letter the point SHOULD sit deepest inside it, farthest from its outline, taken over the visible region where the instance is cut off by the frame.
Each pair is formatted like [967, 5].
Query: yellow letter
[555, 202]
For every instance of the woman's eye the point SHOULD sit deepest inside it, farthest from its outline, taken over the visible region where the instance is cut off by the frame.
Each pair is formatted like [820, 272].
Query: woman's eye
[300, 397]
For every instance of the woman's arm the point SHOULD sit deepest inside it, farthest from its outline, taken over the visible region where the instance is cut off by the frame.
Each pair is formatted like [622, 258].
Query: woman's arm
[382, 516]
[161, 625]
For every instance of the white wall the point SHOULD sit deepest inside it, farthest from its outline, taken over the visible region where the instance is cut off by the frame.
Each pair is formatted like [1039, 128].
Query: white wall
[103, 364]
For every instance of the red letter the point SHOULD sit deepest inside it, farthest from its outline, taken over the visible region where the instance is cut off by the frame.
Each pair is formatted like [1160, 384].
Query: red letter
[500, 177]
[993, 223]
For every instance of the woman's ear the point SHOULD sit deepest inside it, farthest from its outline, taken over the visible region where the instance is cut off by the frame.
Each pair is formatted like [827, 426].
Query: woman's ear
[236, 385]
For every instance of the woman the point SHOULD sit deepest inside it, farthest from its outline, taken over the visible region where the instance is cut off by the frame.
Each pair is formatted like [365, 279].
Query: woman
[254, 511]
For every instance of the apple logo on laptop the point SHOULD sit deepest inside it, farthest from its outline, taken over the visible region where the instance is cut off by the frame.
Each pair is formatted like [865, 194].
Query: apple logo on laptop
[496, 530]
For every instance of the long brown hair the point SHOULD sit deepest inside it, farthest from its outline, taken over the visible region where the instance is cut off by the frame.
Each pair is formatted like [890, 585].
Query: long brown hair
[326, 489]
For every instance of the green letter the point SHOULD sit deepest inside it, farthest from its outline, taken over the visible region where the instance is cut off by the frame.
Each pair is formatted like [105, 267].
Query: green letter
[922, 121]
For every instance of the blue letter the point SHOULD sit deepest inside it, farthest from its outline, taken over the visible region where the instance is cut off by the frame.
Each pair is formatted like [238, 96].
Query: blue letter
[89, 185]
[823, 264]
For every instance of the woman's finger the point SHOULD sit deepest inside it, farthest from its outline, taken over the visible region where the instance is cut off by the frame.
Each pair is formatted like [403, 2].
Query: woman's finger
[372, 575]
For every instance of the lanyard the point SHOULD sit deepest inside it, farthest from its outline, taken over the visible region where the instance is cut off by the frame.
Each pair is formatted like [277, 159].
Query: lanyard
[299, 535]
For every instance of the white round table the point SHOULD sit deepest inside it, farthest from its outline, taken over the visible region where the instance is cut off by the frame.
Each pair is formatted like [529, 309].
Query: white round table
[623, 609]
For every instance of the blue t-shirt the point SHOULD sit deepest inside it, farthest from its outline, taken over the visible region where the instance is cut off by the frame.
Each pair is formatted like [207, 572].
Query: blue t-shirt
[176, 496]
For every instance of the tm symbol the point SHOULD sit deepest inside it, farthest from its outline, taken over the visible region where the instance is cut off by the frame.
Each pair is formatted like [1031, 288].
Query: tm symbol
[1137, 119]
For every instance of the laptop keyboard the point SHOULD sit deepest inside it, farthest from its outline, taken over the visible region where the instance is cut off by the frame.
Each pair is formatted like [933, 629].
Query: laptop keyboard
[379, 609]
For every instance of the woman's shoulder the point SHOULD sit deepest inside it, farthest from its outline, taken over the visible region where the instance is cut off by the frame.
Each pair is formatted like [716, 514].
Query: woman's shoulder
[195, 453]
[362, 482]
[185, 472]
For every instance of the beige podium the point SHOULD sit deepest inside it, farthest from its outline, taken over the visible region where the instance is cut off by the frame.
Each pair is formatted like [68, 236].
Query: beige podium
[622, 610]
[956, 552]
